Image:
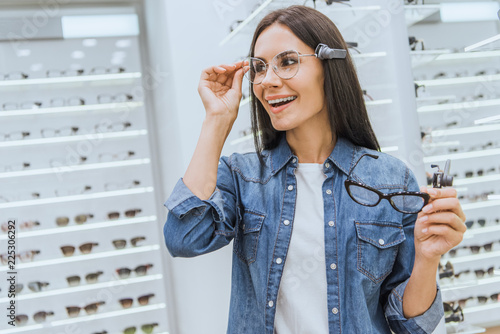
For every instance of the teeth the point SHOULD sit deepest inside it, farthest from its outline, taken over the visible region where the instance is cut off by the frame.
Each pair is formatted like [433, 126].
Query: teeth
[290, 98]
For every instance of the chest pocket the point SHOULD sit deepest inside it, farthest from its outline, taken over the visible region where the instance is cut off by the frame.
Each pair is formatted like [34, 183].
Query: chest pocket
[247, 237]
[377, 247]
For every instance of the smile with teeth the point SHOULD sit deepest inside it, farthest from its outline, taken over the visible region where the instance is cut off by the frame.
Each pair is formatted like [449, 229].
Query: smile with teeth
[279, 102]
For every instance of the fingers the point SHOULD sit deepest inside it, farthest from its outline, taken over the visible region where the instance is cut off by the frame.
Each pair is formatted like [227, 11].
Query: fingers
[451, 236]
[444, 199]
[445, 218]
[238, 78]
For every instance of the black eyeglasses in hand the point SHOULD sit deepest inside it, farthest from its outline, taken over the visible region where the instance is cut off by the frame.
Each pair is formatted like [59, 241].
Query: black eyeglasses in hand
[403, 201]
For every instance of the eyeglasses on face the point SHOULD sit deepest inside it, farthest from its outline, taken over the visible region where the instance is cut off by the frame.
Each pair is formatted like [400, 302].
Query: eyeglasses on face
[121, 243]
[84, 248]
[39, 317]
[79, 219]
[146, 329]
[139, 270]
[285, 64]
[89, 278]
[129, 214]
[73, 311]
[143, 300]
[33, 286]
[403, 201]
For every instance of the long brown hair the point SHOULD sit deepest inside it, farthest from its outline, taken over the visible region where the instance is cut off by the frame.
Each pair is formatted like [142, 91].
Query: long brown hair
[344, 98]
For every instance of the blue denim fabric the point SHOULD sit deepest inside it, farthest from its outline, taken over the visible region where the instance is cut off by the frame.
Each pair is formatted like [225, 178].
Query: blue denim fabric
[371, 246]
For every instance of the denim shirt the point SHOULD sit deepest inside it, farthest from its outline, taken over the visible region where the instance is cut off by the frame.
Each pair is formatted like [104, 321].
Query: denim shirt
[253, 205]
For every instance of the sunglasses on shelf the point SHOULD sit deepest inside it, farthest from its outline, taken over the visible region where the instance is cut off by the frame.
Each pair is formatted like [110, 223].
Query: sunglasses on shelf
[143, 300]
[33, 286]
[39, 317]
[84, 248]
[74, 311]
[121, 243]
[146, 329]
[79, 219]
[89, 278]
[129, 214]
[139, 270]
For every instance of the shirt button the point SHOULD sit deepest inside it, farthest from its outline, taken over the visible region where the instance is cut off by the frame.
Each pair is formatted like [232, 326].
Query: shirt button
[333, 266]
[327, 165]
[328, 191]
[381, 241]
[290, 187]
[331, 223]
[294, 160]
[279, 260]
[271, 303]
[335, 310]
[286, 222]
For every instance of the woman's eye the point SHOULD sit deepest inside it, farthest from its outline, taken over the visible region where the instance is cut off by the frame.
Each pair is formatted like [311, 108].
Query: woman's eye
[260, 68]
[288, 61]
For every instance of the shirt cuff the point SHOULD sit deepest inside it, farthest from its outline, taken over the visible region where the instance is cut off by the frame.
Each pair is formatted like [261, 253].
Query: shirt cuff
[182, 201]
[422, 324]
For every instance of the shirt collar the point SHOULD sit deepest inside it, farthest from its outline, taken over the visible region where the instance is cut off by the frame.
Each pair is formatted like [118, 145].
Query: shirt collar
[343, 155]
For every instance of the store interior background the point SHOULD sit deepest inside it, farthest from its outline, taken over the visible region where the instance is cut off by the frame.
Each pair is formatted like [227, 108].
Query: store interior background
[179, 39]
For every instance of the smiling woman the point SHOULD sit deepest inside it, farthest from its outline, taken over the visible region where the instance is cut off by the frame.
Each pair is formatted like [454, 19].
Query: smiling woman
[324, 241]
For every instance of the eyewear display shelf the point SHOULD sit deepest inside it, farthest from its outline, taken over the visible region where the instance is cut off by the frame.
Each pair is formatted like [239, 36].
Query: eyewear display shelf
[457, 103]
[76, 176]
[374, 58]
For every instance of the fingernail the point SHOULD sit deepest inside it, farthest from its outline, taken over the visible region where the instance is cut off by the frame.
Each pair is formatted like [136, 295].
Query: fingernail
[427, 208]
[432, 191]
[423, 219]
[424, 230]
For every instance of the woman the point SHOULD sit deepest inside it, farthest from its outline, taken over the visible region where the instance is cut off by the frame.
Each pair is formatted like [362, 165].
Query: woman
[308, 258]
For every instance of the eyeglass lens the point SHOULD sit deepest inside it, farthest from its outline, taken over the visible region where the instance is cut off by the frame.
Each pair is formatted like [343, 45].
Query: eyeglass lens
[284, 64]
[406, 203]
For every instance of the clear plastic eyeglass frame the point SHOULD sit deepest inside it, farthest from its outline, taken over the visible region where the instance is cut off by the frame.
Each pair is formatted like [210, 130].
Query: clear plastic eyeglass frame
[286, 71]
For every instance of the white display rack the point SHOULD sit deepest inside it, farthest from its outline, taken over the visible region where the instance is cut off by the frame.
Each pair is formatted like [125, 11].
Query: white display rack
[346, 16]
[492, 43]
[416, 13]
[105, 170]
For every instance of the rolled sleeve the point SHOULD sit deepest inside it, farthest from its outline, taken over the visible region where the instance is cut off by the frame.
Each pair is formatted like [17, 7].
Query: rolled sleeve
[182, 201]
[196, 226]
[422, 324]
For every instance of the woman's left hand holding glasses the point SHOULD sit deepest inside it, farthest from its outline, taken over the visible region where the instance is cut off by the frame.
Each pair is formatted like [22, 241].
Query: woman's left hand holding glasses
[440, 225]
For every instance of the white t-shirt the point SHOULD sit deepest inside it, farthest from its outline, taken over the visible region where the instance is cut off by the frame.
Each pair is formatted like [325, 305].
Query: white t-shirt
[302, 305]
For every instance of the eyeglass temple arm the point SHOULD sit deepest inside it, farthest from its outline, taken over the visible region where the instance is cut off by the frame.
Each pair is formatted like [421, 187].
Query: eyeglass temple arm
[367, 154]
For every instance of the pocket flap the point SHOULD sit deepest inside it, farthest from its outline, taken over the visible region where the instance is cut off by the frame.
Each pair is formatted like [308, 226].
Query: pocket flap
[252, 221]
[380, 234]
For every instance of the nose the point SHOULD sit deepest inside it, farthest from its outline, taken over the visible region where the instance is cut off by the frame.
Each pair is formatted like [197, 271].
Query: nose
[271, 79]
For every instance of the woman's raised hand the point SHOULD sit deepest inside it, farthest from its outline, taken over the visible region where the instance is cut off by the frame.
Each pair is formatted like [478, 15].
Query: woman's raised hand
[220, 89]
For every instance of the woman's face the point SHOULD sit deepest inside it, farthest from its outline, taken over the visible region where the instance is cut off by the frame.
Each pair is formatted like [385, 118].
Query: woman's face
[305, 88]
